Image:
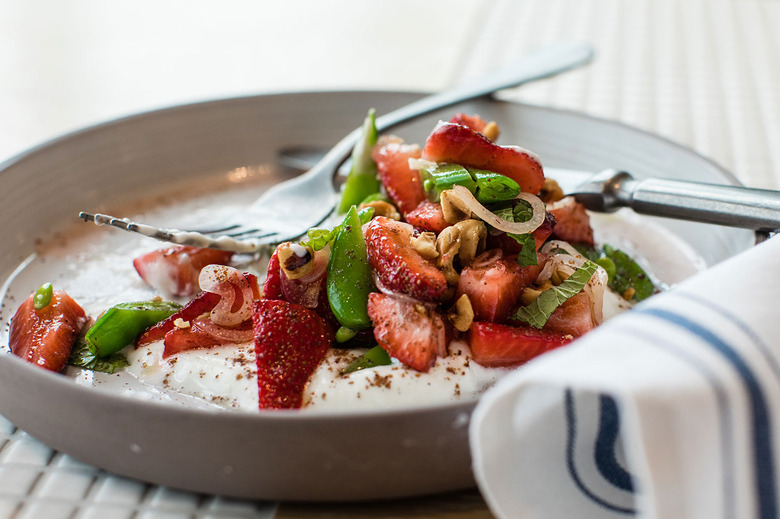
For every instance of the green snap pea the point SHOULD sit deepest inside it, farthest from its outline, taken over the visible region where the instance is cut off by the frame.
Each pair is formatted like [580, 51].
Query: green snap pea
[444, 176]
[344, 334]
[492, 187]
[349, 279]
[120, 325]
[609, 266]
[43, 296]
[375, 197]
[362, 180]
[376, 356]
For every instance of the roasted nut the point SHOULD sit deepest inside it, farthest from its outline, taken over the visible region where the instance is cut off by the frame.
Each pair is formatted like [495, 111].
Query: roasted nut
[296, 260]
[472, 239]
[382, 208]
[448, 245]
[491, 131]
[551, 191]
[462, 314]
[425, 244]
[454, 210]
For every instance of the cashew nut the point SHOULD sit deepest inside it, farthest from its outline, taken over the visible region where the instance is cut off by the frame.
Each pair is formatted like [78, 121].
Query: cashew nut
[491, 131]
[462, 314]
[448, 244]
[382, 208]
[453, 208]
[425, 244]
[472, 239]
[296, 260]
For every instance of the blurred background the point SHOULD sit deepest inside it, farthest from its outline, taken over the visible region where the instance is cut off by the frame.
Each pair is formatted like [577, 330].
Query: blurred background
[705, 73]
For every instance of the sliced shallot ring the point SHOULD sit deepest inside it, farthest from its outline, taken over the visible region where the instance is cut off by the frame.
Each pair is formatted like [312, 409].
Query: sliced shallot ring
[560, 244]
[230, 335]
[499, 223]
[224, 280]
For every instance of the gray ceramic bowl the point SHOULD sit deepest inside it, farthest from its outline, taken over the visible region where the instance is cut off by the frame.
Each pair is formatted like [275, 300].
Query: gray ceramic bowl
[276, 455]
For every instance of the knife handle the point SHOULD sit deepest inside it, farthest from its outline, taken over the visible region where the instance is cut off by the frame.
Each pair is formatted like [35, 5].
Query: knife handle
[734, 206]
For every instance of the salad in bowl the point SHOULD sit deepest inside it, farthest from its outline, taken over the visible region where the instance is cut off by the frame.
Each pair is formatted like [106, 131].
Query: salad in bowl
[447, 264]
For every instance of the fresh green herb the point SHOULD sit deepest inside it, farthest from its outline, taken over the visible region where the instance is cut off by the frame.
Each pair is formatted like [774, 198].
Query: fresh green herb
[522, 211]
[349, 278]
[82, 356]
[527, 255]
[628, 276]
[319, 238]
[43, 296]
[362, 180]
[376, 356]
[121, 324]
[541, 308]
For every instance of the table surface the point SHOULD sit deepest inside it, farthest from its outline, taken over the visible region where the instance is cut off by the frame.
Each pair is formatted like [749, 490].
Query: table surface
[703, 73]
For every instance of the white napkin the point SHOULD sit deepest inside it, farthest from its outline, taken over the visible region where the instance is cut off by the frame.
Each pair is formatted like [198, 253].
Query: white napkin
[671, 410]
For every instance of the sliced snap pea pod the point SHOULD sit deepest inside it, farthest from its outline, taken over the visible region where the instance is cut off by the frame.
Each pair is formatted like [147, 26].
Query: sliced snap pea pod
[492, 187]
[362, 180]
[444, 176]
[375, 197]
[376, 356]
[122, 324]
[349, 278]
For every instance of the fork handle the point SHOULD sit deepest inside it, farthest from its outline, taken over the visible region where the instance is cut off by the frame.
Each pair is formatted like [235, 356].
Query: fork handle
[734, 206]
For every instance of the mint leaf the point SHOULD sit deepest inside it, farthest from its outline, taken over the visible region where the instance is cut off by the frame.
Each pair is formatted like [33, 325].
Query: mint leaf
[541, 308]
[319, 238]
[527, 255]
[82, 356]
[523, 211]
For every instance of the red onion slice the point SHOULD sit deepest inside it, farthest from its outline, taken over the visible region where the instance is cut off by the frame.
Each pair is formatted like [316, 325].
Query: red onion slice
[227, 282]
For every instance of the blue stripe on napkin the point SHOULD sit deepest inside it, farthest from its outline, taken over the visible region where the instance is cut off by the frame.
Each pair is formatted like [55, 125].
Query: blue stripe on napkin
[762, 440]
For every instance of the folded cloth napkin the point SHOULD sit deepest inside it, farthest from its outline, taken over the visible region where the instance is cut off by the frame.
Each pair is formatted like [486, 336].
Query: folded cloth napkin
[671, 410]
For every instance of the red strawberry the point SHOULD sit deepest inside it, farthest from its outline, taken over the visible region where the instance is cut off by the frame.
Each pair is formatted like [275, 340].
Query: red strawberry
[174, 271]
[272, 288]
[45, 337]
[474, 122]
[402, 184]
[494, 283]
[573, 317]
[461, 145]
[290, 342]
[499, 345]
[413, 333]
[573, 222]
[428, 216]
[398, 265]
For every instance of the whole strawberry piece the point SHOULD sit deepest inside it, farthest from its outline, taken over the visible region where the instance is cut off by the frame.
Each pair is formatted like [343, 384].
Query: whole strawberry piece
[290, 342]
[411, 332]
[498, 345]
[45, 337]
[398, 265]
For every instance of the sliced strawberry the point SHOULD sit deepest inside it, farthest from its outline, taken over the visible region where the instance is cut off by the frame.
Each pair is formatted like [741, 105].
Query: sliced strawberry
[203, 303]
[510, 245]
[272, 288]
[202, 333]
[290, 342]
[413, 333]
[499, 345]
[428, 216]
[573, 222]
[174, 271]
[403, 185]
[45, 337]
[474, 122]
[461, 145]
[398, 265]
[494, 283]
[573, 317]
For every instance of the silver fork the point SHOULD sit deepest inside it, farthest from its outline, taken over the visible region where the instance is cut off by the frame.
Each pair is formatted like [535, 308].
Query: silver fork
[288, 209]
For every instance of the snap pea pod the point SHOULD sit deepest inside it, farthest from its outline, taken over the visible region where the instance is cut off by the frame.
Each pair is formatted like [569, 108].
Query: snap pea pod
[362, 180]
[120, 325]
[443, 176]
[376, 356]
[488, 187]
[349, 279]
